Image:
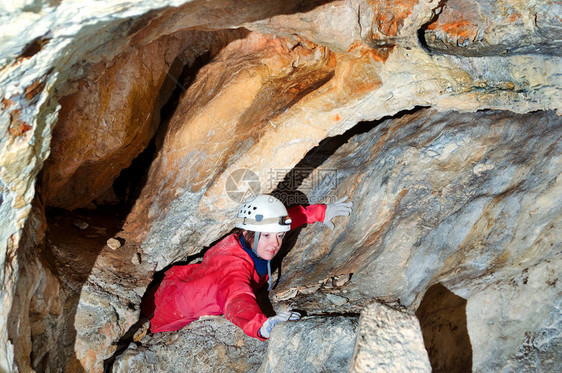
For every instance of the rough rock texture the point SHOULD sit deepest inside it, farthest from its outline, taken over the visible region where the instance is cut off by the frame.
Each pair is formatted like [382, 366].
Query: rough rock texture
[524, 313]
[261, 102]
[211, 134]
[99, 287]
[472, 205]
[498, 27]
[336, 91]
[388, 341]
[36, 300]
[114, 114]
[210, 345]
[317, 344]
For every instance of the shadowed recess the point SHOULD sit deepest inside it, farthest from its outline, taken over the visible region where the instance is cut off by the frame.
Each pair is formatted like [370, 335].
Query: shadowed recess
[442, 316]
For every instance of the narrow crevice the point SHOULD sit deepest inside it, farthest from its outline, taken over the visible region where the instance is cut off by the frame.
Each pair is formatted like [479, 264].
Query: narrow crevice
[130, 182]
[421, 32]
[328, 314]
[292, 181]
[442, 317]
[123, 344]
[312, 160]
[34, 47]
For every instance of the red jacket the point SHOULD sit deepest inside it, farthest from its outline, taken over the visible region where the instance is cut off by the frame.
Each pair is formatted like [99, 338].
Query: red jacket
[223, 283]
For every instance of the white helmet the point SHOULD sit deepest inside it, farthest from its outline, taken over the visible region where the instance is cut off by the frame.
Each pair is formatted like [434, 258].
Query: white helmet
[263, 214]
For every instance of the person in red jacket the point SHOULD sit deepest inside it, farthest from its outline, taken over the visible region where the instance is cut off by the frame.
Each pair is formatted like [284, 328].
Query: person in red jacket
[231, 271]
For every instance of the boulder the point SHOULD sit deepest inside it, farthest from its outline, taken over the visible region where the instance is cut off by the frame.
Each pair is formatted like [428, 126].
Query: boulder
[314, 344]
[388, 340]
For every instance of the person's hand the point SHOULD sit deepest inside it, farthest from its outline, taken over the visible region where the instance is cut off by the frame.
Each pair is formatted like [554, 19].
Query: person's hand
[268, 325]
[338, 208]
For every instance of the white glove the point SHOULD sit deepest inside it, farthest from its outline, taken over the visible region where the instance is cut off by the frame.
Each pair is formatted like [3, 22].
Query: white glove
[338, 208]
[268, 325]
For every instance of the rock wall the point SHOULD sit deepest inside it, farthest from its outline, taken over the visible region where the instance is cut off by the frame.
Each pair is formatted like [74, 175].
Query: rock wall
[499, 28]
[87, 82]
[472, 205]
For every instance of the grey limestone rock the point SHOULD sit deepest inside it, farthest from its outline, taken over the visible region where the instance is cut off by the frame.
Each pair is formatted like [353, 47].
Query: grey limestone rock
[314, 344]
[389, 341]
[208, 345]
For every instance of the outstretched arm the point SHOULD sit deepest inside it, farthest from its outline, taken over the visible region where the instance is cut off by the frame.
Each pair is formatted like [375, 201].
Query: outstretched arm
[324, 213]
[237, 297]
[243, 311]
[306, 215]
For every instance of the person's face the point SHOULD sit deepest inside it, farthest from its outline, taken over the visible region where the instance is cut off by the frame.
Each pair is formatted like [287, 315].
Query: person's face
[269, 244]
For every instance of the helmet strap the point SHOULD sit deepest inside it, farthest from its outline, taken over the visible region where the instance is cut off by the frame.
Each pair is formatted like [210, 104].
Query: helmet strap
[255, 248]
[270, 281]
[256, 240]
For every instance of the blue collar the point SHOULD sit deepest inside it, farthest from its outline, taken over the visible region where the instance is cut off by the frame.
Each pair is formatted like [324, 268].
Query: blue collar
[259, 263]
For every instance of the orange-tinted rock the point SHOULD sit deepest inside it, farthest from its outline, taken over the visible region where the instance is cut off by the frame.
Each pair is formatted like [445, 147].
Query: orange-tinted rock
[224, 113]
[109, 120]
[389, 16]
[483, 28]
[17, 126]
[106, 115]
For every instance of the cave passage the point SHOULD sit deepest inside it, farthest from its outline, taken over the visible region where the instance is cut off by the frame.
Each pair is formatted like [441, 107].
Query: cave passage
[76, 238]
[442, 316]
